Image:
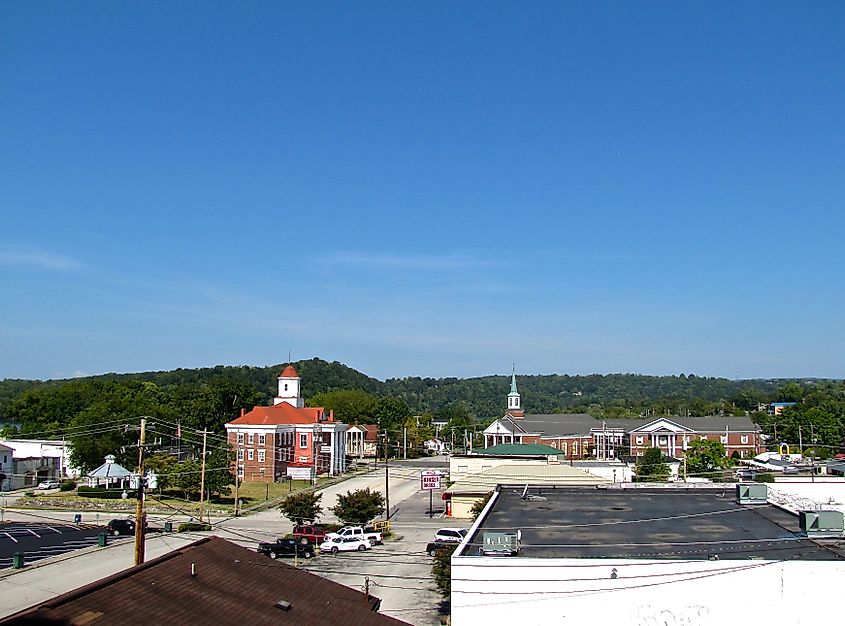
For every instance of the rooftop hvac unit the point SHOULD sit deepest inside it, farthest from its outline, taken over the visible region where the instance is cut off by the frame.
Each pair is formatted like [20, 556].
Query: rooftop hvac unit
[501, 544]
[754, 493]
[822, 523]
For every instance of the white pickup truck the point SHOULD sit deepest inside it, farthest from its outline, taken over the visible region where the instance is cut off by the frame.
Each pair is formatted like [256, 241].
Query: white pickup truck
[357, 532]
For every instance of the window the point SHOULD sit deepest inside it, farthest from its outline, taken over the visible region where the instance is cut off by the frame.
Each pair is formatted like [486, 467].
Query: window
[563, 447]
[303, 440]
[723, 439]
[703, 437]
[743, 439]
[262, 455]
[639, 440]
[261, 439]
[250, 454]
[240, 438]
[574, 447]
[241, 471]
[240, 455]
[286, 386]
[251, 438]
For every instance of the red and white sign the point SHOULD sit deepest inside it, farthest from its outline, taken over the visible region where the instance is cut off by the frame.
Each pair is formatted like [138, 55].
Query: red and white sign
[430, 480]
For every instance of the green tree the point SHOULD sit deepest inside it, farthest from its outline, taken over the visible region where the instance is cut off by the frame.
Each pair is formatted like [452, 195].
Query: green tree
[163, 465]
[390, 412]
[302, 507]
[351, 406]
[652, 468]
[705, 458]
[358, 507]
[479, 505]
[187, 475]
[790, 392]
[441, 569]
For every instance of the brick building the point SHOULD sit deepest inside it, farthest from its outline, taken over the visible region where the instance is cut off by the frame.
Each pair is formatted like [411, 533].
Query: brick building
[580, 435]
[288, 438]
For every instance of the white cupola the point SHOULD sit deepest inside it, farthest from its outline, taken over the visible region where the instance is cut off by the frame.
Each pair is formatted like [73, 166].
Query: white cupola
[289, 388]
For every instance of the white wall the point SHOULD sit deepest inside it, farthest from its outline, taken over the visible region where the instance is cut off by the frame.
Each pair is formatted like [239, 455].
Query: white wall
[516, 590]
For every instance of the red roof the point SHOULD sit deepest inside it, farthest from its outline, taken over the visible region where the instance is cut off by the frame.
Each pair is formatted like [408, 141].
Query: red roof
[282, 413]
[289, 372]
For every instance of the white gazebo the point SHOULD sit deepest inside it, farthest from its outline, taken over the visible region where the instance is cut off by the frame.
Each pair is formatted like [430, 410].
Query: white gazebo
[110, 472]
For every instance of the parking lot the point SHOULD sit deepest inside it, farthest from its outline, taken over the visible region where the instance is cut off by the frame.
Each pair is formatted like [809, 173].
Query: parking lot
[42, 540]
[398, 572]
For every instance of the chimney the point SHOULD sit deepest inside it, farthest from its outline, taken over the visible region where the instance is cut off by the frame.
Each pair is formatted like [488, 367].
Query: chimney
[243, 411]
[331, 415]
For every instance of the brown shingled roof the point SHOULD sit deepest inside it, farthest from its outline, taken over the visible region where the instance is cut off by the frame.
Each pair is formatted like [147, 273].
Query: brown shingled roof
[232, 585]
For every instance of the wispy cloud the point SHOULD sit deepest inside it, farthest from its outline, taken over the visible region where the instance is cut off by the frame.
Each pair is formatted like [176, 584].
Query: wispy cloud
[40, 259]
[448, 261]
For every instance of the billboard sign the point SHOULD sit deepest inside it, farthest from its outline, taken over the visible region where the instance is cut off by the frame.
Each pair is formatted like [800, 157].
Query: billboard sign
[430, 480]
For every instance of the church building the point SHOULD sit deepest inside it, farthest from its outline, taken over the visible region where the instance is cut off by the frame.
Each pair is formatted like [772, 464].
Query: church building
[580, 435]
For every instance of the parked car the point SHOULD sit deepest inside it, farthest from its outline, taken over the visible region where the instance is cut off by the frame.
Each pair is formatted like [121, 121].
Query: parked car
[49, 484]
[286, 547]
[309, 533]
[121, 527]
[345, 544]
[450, 535]
[433, 546]
[368, 533]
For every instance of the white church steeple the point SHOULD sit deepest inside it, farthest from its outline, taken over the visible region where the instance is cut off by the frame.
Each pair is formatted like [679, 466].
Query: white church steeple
[514, 399]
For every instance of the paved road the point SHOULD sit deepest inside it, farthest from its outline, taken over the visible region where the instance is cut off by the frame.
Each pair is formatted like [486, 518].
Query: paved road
[42, 540]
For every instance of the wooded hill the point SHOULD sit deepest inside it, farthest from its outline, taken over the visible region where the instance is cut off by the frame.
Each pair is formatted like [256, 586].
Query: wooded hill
[97, 414]
[610, 395]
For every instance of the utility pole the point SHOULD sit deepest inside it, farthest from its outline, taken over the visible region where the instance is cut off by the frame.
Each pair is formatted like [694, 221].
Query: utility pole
[202, 475]
[237, 479]
[386, 480]
[139, 508]
[405, 443]
[314, 452]
[800, 442]
[685, 467]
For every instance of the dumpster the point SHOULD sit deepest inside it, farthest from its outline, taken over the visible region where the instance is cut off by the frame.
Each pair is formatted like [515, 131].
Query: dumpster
[77, 519]
[168, 527]
[101, 540]
[17, 560]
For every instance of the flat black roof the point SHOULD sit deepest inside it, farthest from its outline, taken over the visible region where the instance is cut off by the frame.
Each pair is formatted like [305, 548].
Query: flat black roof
[648, 523]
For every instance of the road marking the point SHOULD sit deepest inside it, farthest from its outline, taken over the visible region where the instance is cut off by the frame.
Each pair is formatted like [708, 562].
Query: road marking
[10, 537]
[34, 533]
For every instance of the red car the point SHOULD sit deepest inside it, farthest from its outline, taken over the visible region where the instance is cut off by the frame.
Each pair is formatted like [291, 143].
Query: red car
[313, 533]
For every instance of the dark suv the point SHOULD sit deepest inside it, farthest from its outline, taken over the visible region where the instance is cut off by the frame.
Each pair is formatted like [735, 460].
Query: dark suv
[121, 527]
[286, 547]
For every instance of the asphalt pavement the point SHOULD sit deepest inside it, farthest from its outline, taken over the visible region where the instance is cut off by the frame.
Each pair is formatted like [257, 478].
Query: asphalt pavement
[42, 540]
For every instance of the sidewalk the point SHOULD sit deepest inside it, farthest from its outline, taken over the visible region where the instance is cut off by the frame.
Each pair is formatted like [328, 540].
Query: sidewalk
[44, 580]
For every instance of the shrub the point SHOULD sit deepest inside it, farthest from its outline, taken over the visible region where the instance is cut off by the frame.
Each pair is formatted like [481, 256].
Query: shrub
[441, 569]
[29, 494]
[187, 527]
[98, 492]
[764, 478]
[67, 485]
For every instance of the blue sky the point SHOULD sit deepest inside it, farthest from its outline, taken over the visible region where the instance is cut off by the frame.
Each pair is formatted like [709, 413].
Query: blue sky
[432, 189]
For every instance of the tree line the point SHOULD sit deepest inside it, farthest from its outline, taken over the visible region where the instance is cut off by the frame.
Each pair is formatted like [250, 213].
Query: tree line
[207, 398]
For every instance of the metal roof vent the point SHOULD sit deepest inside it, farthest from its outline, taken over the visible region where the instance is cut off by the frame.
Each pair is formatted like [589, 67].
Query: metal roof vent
[822, 523]
[501, 544]
[283, 604]
[752, 493]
